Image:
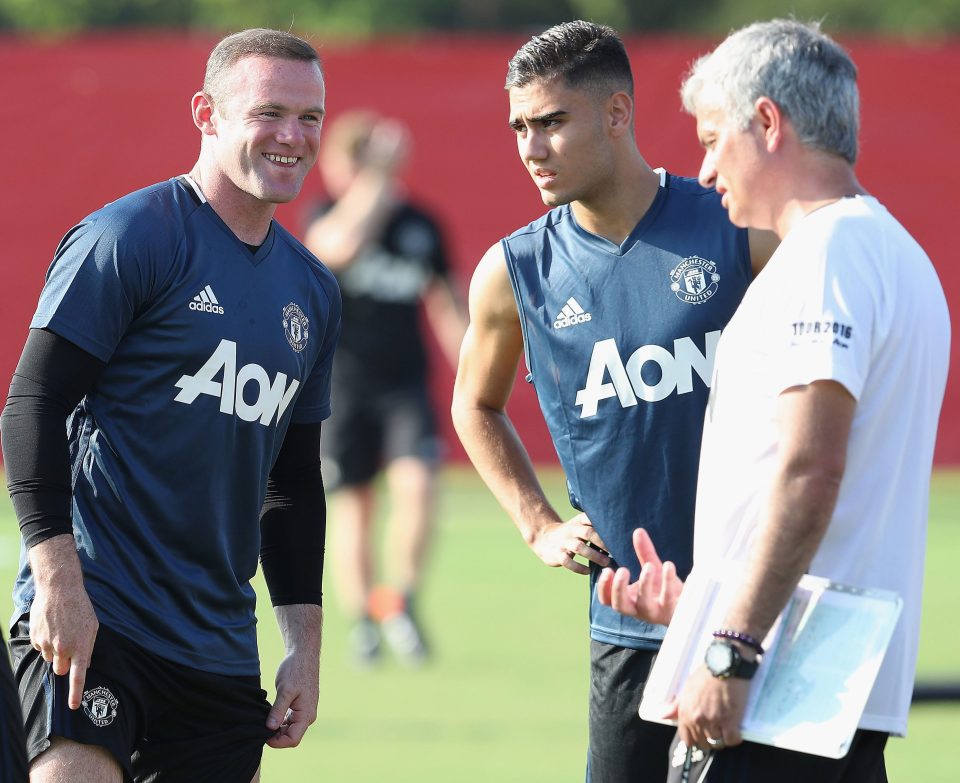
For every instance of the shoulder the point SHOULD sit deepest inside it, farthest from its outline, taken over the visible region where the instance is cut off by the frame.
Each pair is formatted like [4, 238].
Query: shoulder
[688, 191]
[296, 250]
[144, 224]
[546, 224]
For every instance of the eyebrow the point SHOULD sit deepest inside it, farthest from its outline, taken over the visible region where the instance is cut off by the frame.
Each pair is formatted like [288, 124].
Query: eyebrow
[551, 115]
[280, 107]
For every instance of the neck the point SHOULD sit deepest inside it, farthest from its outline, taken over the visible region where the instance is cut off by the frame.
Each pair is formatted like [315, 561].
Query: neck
[615, 212]
[820, 181]
[245, 215]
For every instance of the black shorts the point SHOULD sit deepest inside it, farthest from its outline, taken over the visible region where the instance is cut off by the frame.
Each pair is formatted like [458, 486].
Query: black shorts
[369, 430]
[751, 762]
[13, 746]
[162, 721]
[623, 748]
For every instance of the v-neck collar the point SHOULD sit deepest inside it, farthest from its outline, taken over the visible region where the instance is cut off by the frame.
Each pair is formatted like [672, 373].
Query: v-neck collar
[612, 248]
[253, 257]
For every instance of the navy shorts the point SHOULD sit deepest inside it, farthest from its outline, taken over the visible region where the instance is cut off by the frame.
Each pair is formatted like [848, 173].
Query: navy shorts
[161, 720]
[371, 429]
[13, 747]
[623, 748]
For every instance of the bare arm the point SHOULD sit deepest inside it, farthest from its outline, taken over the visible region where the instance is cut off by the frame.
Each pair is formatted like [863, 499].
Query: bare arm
[814, 424]
[298, 676]
[488, 364]
[359, 216]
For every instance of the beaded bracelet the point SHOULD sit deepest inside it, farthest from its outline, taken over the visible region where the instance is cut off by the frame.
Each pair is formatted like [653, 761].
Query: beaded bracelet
[743, 638]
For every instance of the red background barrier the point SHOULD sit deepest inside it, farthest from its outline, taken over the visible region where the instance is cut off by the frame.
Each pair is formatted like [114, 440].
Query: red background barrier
[86, 120]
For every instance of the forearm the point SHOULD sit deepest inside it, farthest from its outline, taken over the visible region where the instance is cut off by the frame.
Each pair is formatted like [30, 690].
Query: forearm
[51, 378]
[301, 627]
[815, 423]
[55, 564]
[501, 460]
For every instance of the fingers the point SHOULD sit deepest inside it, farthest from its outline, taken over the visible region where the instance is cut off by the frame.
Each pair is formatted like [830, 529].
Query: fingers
[78, 675]
[589, 551]
[621, 598]
[278, 712]
[643, 546]
[572, 565]
[289, 725]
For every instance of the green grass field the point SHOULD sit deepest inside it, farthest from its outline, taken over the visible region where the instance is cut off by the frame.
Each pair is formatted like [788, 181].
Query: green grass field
[505, 697]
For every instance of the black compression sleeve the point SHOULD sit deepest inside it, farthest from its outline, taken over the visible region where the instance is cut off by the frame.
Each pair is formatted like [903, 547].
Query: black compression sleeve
[293, 522]
[53, 375]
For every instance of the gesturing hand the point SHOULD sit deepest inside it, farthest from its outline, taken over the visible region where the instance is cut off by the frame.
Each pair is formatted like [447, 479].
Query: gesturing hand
[654, 595]
[558, 543]
[63, 624]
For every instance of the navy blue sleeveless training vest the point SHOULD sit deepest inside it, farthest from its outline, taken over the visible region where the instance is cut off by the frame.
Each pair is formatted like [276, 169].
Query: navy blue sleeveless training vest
[620, 343]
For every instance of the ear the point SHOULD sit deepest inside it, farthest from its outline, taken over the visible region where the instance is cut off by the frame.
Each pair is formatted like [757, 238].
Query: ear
[202, 110]
[620, 114]
[772, 122]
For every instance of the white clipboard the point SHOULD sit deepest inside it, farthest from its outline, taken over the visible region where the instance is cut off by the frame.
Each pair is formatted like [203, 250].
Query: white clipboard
[822, 658]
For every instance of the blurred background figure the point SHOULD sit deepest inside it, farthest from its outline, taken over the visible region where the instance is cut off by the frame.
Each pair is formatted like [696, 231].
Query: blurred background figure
[389, 257]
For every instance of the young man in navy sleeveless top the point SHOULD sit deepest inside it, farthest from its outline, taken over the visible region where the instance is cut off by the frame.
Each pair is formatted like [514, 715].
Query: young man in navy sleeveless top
[186, 340]
[616, 298]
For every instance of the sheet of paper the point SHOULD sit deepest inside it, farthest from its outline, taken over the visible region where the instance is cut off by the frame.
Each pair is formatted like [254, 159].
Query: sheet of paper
[823, 655]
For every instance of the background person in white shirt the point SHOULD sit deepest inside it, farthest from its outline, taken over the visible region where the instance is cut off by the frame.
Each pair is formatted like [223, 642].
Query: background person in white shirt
[819, 434]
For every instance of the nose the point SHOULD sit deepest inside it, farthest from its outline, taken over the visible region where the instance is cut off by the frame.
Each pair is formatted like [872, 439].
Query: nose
[708, 171]
[531, 146]
[289, 131]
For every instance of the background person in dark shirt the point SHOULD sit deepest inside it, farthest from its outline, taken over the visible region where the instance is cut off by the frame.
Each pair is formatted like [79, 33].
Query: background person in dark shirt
[388, 256]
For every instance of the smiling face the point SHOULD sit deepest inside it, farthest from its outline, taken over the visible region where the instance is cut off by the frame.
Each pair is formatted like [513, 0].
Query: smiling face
[561, 140]
[733, 163]
[267, 128]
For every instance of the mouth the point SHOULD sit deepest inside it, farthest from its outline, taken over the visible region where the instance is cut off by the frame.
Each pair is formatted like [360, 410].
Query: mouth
[543, 177]
[281, 160]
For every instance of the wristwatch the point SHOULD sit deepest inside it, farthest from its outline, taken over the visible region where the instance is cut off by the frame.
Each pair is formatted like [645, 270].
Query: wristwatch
[724, 660]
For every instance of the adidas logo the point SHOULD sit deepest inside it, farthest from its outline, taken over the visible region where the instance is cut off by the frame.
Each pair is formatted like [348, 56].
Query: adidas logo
[571, 315]
[206, 302]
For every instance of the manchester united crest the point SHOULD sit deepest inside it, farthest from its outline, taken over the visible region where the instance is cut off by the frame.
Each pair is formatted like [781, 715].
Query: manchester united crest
[100, 705]
[296, 326]
[694, 280]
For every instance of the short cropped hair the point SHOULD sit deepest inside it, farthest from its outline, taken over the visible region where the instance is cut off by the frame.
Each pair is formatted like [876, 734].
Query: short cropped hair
[582, 54]
[805, 72]
[252, 43]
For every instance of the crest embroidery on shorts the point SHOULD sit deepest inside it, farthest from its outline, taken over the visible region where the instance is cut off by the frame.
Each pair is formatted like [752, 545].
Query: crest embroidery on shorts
[100, 705]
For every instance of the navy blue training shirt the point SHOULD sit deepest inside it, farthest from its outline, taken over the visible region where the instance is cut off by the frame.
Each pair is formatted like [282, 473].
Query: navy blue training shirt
[620, 343]
[212, 350]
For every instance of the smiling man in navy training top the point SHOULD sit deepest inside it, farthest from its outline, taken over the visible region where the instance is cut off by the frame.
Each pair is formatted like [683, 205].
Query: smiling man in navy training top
[186, 340]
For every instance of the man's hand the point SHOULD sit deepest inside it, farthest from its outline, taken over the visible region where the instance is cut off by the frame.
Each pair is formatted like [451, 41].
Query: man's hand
[653, 597]
[63, 625]
[298, 676]
[298, 693]
[710, 710]
[557, 543]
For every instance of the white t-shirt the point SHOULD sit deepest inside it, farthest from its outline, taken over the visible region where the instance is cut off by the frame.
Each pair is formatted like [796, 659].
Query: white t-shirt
[849, 296]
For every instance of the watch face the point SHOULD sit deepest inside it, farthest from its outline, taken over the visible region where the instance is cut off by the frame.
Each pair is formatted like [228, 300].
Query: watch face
[719, 658]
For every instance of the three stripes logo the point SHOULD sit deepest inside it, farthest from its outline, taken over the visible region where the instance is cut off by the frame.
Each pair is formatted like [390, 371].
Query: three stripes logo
[571, 315]
[206, 302]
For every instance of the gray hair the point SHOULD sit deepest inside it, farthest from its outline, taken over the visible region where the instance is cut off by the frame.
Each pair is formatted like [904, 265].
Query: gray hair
[807, 74]
[582, 54]
[256, 42]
